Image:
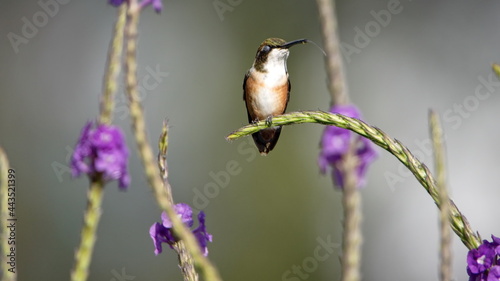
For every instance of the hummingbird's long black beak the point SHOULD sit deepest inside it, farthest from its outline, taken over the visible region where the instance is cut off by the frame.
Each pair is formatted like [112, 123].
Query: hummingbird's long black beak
[294, 42]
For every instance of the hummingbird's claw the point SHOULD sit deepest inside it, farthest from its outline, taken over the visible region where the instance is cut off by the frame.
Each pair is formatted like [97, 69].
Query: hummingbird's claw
[269, 121]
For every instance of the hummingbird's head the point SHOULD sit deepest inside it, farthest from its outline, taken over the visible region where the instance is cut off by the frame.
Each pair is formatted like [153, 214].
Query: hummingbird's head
[273, 52]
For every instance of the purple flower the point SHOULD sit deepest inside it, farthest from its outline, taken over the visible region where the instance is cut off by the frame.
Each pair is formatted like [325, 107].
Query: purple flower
[201, 233]
[157, 4]
[494, 274]
[335, 143]
[496, 244]
[482, 263]
[162, 232]
[477, 277]
[480, 259]
[101, 150]
[184, 212]
[116, 3]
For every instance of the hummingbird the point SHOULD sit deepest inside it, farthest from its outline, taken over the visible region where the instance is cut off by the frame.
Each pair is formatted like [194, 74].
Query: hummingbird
[266, 89]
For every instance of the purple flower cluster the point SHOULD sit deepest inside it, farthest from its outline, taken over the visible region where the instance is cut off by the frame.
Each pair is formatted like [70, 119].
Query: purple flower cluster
[157, 4]
[335, 143]
[483, 262]
[162, 232]
[101, 150]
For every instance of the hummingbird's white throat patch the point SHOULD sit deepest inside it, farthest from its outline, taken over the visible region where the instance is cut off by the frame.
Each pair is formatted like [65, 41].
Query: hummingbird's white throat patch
[276, 61]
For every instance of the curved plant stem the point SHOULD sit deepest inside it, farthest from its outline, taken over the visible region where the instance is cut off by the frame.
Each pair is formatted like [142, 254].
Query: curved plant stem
[459, 223]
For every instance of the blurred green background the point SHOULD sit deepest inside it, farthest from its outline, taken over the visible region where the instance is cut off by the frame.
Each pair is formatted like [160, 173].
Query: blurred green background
[269, 217]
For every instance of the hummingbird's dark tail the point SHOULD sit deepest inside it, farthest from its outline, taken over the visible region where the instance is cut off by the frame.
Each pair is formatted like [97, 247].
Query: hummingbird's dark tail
[266, 139]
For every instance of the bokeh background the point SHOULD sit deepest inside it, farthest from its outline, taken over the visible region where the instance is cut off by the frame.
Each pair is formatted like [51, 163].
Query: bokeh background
[270, 215]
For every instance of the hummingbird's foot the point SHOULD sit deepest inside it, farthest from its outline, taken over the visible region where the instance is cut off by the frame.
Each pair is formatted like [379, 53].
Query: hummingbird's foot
[269, 121]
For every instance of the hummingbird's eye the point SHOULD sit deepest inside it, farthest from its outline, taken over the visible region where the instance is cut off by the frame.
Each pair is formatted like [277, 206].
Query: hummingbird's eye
[266, 49]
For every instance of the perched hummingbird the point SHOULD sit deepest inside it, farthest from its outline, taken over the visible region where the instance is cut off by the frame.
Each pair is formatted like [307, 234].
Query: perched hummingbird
[266, 89]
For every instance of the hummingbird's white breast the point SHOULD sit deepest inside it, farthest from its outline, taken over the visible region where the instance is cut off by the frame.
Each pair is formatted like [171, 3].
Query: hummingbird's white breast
[270, 92]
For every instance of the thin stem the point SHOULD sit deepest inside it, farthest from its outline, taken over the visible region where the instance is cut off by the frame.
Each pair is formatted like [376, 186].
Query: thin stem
[336, 79]
[186, 261]
[162, 152]
[91, 219]
[458, 221]
[351, 199]
[113, 68]
[83, 255]
[208, 271]
[439, 160]
[7, 177]
[352, 237]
